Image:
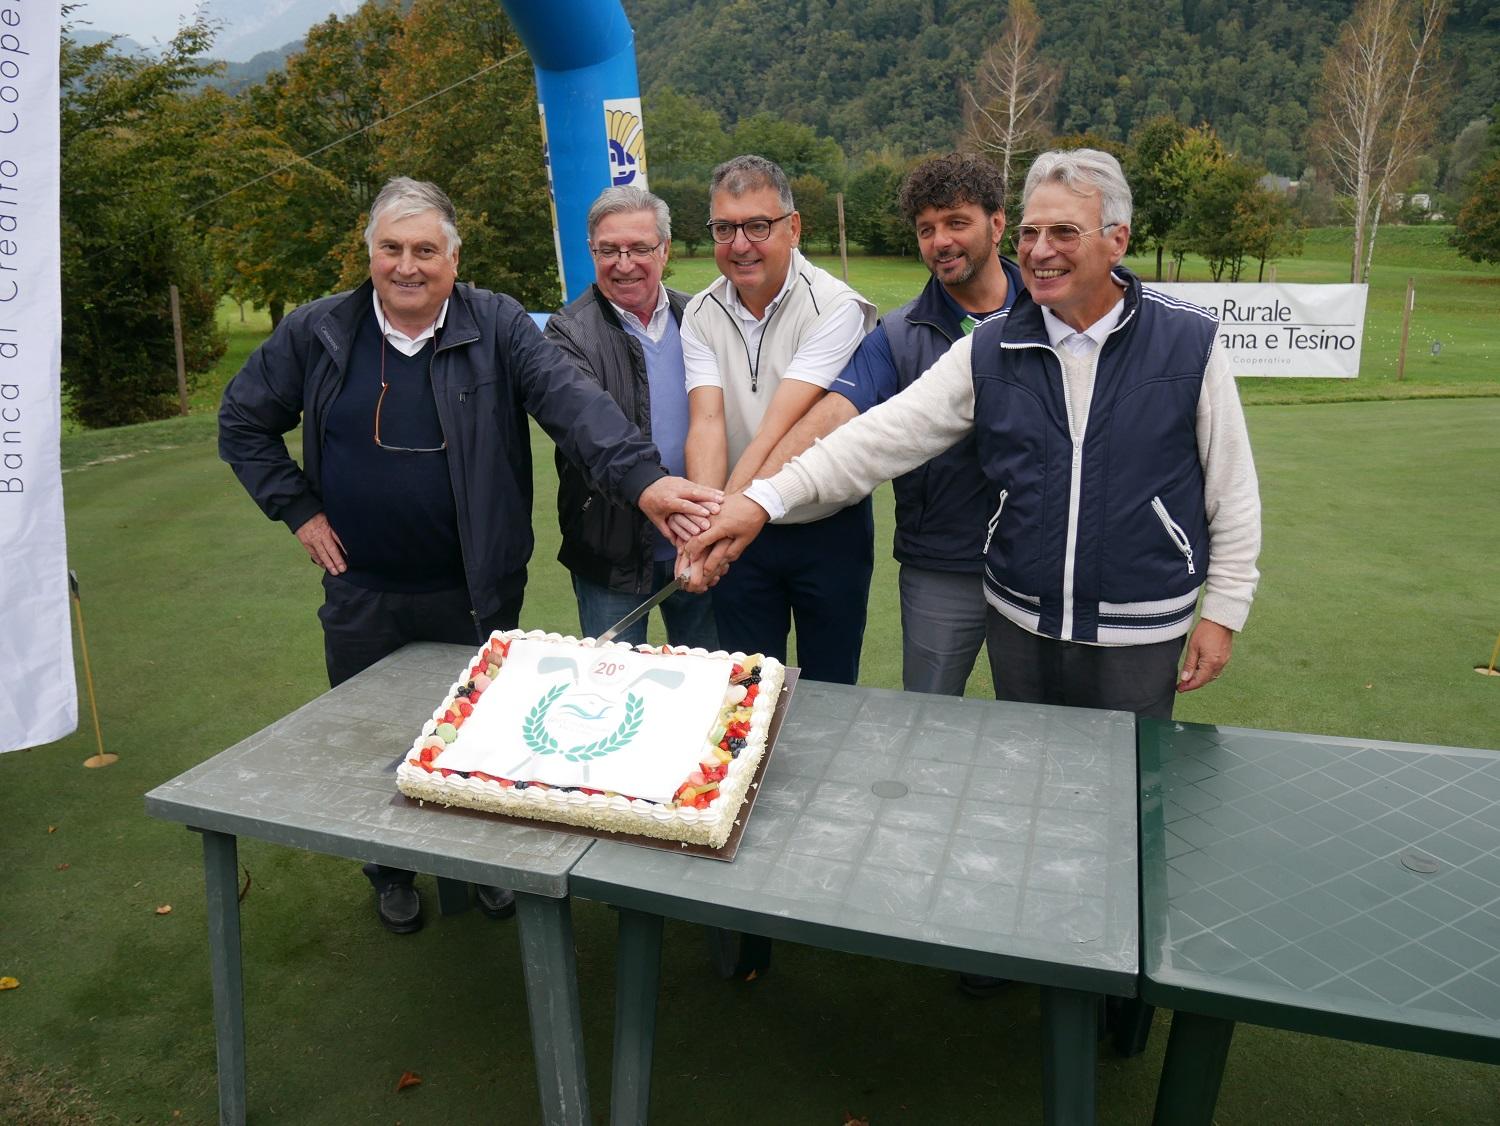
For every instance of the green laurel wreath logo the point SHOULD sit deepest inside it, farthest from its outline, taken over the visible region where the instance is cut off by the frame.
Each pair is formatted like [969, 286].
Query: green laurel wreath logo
[540, 741]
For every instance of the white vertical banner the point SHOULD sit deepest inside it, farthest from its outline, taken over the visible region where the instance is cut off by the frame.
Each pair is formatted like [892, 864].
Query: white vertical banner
[38, 697]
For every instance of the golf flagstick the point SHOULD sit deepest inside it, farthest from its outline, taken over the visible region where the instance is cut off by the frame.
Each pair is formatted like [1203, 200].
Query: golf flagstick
[1489, 670]
[101, 759]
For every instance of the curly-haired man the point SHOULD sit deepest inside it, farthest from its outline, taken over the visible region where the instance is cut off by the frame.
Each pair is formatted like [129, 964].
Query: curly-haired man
[957, 205]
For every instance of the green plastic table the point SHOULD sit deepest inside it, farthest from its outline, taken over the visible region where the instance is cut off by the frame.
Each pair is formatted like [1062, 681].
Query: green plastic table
[323, 779]
[987, 838]
[1334, 886]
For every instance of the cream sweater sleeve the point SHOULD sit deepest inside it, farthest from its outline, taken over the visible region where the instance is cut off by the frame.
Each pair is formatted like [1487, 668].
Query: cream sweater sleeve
[1231, 498]
[888, 440]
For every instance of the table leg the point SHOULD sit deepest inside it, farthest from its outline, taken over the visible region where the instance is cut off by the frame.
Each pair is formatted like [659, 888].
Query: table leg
[221, 876]
[453, 895]
[551, 975]
[1193, 1069]
[1129, 1025]
[723, 950]
[1070, 1051]
[637, 977]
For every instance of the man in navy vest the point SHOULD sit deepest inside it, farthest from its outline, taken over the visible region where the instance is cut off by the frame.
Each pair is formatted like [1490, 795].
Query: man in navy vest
[624, 334]
[1110, 431]
[956, 204]
[413, 496]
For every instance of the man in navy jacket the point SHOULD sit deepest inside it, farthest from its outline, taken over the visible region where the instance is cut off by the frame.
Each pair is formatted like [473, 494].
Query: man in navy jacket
[414, 491]
[956, 205]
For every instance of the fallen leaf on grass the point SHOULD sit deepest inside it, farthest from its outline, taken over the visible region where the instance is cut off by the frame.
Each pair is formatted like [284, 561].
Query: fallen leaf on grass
[63, 867]
[9, 983]
[164, 909]
[51, 828]
[408, 1079]
[850, 1120]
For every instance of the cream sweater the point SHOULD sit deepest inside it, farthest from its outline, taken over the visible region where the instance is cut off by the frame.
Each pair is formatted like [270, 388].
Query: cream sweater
[938, 409]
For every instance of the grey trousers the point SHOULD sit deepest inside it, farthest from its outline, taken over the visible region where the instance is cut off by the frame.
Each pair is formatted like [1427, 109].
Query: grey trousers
[1042, 670]
[942, 629]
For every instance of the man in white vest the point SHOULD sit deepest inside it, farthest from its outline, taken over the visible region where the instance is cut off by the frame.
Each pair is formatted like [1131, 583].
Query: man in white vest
[761, 346]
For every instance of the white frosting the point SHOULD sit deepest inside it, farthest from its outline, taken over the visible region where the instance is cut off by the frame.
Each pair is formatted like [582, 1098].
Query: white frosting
[614, 812]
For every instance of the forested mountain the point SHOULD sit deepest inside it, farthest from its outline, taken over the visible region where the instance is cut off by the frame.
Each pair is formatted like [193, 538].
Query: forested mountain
[877, 74]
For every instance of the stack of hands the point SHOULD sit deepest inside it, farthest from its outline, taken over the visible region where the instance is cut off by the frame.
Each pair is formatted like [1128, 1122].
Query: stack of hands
[709, 529]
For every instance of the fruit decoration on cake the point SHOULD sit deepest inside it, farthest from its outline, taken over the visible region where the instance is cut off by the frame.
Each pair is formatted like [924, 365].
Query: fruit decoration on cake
[611, 738]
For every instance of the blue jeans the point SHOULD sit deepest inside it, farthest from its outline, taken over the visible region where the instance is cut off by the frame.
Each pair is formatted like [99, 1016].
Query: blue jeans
[689, 618]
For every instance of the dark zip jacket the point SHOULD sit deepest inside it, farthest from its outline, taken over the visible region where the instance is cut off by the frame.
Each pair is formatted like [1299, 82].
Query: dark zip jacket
[602, 542]
[1102, 536]
[941, 506]
[490, 369]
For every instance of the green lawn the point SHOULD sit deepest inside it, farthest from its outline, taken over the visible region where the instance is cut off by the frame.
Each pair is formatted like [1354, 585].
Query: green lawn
[1377, 600]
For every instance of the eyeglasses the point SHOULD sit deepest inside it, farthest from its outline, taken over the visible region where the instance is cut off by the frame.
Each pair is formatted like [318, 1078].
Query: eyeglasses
[1063, 236]
[756, 230]
[607, 253]
[384, 385]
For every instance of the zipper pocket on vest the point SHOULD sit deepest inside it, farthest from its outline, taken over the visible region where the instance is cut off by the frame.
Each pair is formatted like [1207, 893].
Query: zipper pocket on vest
[1178, 536]
[995, 520]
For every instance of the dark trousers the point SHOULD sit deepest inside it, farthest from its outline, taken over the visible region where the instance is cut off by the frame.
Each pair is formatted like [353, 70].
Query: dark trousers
[363, 626]
[816, 575]
[1042, 670]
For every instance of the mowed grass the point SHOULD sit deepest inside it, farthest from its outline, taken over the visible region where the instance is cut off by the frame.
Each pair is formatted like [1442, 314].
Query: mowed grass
[1377, 600]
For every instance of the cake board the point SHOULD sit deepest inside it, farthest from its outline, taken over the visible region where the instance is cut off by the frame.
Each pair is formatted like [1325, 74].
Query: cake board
[725, 853]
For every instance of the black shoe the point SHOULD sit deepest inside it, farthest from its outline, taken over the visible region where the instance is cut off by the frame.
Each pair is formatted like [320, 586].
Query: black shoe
[400, 908]
[982, 985]
[497, 903]
[755, 957]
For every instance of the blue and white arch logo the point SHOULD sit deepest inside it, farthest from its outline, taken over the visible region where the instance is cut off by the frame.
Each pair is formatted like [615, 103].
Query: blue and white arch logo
[627, 142]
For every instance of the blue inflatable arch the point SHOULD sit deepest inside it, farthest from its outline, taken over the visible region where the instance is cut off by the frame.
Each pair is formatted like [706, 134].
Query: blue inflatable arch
[590, 101]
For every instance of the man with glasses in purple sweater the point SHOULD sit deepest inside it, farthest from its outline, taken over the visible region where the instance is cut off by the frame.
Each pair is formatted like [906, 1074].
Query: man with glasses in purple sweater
[624, 334]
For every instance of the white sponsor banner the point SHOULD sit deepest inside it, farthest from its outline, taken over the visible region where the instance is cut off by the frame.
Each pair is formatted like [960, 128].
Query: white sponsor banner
[1284, 330]
[38, 698]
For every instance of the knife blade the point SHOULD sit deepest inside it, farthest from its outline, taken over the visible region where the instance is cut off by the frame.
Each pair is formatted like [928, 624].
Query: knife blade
[639, 612]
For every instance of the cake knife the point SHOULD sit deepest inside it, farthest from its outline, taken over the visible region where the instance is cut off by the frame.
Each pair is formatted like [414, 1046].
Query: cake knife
[640, 611]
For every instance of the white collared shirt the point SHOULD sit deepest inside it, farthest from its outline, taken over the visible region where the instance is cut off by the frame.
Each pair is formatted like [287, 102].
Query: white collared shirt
[1078, 365]
[1064, 335]
[819, 359]
[407, 345]
[657, 325]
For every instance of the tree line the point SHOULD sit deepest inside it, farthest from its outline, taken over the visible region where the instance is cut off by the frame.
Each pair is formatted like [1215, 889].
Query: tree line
[261, 194]
[873, 74]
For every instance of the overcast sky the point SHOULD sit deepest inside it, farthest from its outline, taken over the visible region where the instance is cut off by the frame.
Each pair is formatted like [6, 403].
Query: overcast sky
[142, 20]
